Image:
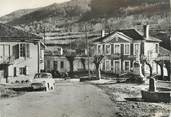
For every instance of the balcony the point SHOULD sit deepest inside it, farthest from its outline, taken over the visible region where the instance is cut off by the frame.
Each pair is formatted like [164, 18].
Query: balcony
[6, 60]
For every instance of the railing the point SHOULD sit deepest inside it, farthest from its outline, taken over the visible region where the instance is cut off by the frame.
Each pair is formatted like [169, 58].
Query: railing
[7, 60]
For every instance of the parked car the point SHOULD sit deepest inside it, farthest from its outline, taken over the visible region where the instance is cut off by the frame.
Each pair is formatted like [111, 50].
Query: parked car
[43, 81]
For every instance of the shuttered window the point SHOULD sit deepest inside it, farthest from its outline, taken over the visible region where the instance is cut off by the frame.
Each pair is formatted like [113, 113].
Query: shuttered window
[99, 49]
[127, 49]
[136, 49]
[117, 48]
[22, 70]
[16, 51]
[21, 50]
[55, 65]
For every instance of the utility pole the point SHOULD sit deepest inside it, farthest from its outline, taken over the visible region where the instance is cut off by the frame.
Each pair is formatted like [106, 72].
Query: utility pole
[87, 43]
[44, 34]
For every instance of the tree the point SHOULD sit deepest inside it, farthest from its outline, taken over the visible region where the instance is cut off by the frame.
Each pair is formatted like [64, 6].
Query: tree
[97, 61]
[150, 67]
[71, 58]
[143, 61]
[83, 63]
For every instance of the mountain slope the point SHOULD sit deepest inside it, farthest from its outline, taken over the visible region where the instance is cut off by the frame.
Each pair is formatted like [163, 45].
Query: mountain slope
[118, 8]
[68, 9]
[16, 14]
[89, 9]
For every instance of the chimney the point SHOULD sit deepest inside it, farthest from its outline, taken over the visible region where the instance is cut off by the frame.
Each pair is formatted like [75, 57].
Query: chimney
[146, 31]
[102, 33]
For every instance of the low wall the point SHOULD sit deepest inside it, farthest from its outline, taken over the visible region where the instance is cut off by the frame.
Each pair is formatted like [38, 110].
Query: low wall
[161, 96]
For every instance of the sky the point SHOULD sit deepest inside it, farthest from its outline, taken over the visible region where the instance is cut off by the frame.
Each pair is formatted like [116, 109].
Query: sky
[8, 6]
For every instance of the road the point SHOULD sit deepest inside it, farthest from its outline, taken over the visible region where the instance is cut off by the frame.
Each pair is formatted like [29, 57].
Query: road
[69, 99]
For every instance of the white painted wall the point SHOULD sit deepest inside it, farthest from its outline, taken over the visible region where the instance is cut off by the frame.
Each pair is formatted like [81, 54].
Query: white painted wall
[31, 63]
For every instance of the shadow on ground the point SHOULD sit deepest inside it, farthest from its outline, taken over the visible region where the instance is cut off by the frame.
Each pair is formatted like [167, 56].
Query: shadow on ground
[25, 89]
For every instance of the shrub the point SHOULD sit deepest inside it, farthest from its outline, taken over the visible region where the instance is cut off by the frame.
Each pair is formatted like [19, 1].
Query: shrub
[17, 82]
[132, 78]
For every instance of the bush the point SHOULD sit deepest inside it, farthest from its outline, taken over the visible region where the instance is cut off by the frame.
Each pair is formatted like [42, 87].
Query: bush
[17, 82]
[132, 78]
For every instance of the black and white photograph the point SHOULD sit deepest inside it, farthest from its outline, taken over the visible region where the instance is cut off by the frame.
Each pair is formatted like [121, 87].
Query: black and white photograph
[85, 58]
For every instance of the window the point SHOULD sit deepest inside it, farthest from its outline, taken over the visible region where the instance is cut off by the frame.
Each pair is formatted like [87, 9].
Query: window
[22, 71]
[127, 65]
[117, 66]
[108, 65]
[4, 50]
[21, 50]
[62, 64]
[127, 49]
[48, 64]
[108, 49]
[117, 49]
[157, 48]
[99, 49]
[137, 49]
[55, 65]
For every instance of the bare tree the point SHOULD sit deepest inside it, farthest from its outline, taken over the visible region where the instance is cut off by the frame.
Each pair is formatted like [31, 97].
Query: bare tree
[97, 61]
[71, 59]
[143, 61]
[83, 63]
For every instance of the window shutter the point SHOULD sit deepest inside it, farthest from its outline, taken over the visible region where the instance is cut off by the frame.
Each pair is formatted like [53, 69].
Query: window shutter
[122, 49]
[27, 51]
[103, 48]
[111, 65]
[26, 70]
[112, 49]
[16, 51]
[132, 49]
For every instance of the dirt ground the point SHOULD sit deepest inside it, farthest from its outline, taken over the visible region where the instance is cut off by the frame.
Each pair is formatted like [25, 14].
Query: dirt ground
[75, 99]
[127, 98]
[69, 99]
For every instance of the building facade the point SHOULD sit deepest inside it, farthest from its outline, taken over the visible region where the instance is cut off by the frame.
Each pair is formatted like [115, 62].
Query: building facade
[21, 55]
[123, 48]
[56, 60]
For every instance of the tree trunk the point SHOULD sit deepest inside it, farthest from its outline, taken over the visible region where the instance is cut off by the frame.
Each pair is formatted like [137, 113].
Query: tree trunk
[168, 70]
[71, 63]
[161, 69]
[151, 72]
[98, 74]
[71, 66]
[142, 68]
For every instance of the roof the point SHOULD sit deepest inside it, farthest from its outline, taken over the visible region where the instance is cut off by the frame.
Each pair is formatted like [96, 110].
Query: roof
[164, 54]
[9, 33]
[163, 51]
[132, 33]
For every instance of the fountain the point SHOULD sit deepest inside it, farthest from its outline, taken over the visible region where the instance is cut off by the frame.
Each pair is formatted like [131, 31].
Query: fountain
[155, 95]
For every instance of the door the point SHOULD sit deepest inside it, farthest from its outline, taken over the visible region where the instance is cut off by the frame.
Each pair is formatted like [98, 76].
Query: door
[117, 66]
